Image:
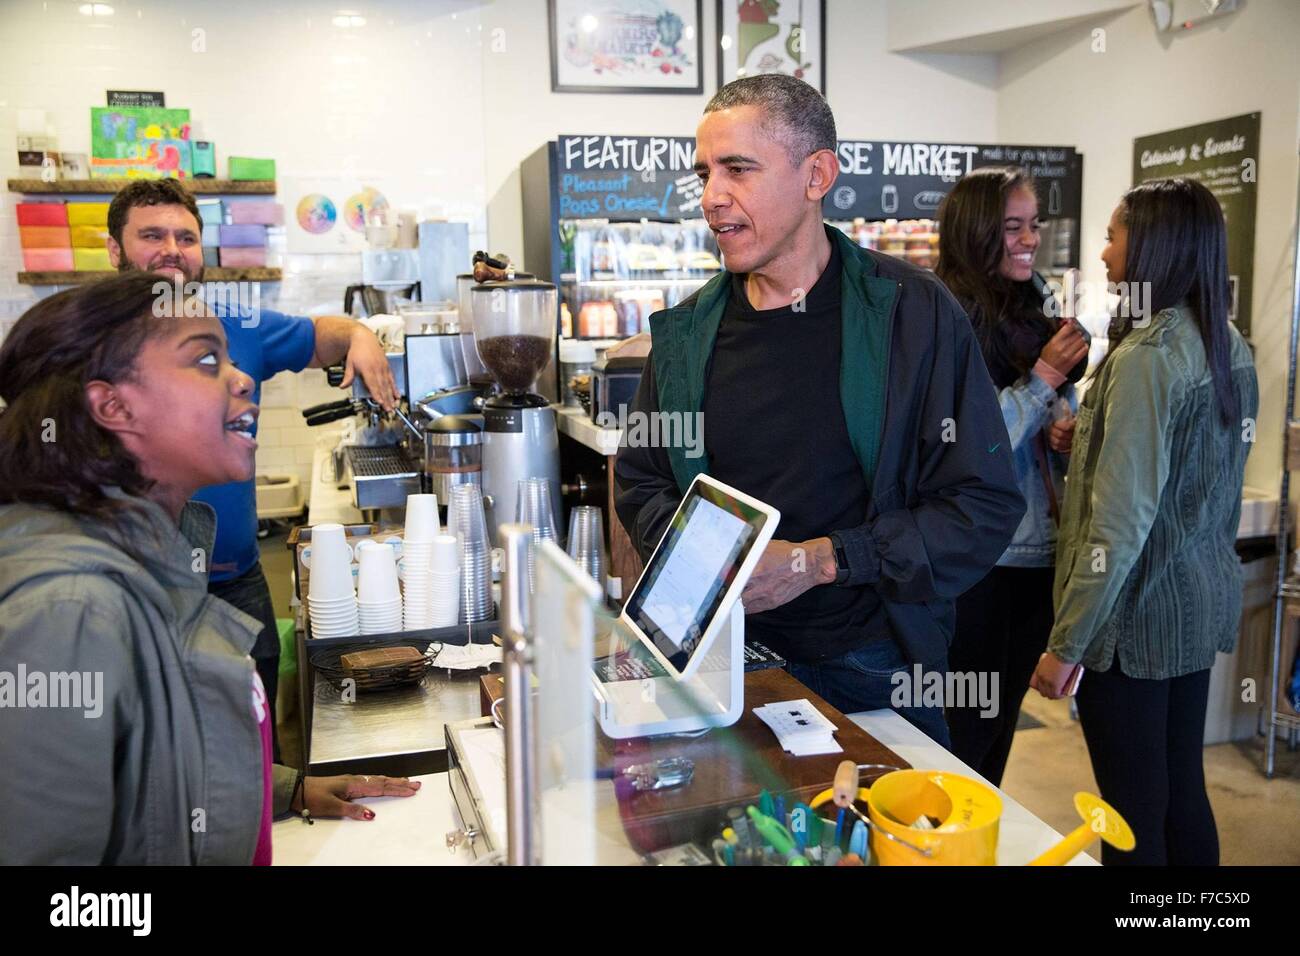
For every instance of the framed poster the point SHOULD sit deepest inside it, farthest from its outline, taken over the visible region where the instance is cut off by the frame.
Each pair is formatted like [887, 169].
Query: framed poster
[626, 46]
[1222, 156]
[139, 142]
[772, 36]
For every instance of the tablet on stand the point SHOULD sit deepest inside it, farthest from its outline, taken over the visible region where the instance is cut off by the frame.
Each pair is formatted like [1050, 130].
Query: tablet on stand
[673, 662]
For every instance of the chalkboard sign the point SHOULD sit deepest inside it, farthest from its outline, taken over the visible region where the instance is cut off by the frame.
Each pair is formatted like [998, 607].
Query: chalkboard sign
[136, 98]
[626, 177]
[652, 177]
[894, 180]
[1224, 157]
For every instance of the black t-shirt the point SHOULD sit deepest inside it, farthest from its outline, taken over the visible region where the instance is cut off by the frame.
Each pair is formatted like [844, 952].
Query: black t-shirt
[774, 428]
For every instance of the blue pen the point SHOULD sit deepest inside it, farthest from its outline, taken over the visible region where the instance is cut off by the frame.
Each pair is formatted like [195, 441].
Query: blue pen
[839, 827]
[780, 811]
[858, 841]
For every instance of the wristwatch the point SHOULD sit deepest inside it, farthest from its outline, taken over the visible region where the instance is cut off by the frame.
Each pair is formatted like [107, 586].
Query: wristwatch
[841, 561]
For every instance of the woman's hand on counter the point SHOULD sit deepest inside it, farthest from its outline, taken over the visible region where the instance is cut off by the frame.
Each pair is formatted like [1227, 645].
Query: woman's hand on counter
[329, 796]
[786, 570]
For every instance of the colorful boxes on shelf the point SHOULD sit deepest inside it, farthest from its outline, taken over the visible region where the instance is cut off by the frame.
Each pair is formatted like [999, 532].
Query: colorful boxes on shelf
[44, 237]
[88, 237]
[42, 214]
[243, 235]
[87, 214]
[236, 257]
[244, 168]
[211, 235]
[91, 260]
[47, 260]
[212, 212]
[256, 212]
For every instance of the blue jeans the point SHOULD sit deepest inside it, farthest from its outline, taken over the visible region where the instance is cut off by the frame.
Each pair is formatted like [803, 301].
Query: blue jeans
[863, 680]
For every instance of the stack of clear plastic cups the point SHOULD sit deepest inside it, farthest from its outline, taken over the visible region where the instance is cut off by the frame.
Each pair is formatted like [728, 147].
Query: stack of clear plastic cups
[331, 601]
[379, 600]
[533, 507]
[587, 542]
[444, 578]
[475, 554]
[417, 551]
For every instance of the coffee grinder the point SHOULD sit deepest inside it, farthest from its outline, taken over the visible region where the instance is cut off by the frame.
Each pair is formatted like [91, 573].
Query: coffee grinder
[514, 335]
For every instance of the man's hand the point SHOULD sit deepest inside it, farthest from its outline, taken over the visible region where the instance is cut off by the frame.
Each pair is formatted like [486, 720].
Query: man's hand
[331, 796]
[786, 570]
[366, 359]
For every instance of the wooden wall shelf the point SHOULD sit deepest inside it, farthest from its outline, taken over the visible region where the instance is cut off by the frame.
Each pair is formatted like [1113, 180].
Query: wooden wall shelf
[211, 274]
[106, 187]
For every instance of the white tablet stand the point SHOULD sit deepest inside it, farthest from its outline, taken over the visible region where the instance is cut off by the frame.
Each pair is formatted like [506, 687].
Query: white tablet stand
[713, 697]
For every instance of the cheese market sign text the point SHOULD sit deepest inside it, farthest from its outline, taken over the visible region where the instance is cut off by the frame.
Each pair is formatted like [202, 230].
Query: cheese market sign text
[947, 161]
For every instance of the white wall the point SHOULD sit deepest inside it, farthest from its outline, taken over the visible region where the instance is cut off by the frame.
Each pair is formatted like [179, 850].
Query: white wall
[1058, 90]
[395, 103]
[875, 95]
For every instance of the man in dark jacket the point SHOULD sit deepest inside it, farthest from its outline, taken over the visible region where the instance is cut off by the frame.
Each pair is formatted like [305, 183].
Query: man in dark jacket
[846, 389]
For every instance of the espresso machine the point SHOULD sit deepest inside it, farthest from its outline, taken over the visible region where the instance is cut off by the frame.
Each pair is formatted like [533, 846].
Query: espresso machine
[514, 336]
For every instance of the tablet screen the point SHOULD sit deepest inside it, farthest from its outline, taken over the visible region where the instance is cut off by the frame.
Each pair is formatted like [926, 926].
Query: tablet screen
[706, 543]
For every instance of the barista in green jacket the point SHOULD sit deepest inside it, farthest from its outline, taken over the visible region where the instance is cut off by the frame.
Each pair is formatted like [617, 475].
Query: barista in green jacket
[142, 735]
[1148, 584]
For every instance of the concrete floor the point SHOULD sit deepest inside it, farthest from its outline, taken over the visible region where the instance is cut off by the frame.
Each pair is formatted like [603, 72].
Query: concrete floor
[1258, 819]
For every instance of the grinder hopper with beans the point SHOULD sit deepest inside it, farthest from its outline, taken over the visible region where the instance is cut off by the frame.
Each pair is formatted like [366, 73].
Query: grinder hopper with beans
[514, 334]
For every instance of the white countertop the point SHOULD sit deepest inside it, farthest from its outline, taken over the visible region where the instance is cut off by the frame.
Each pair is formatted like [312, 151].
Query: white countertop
[328, 501]
[577, 424]
[412, 831]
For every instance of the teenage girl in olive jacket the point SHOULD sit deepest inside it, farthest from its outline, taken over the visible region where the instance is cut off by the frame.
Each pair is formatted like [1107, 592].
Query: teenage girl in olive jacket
[1148, 583]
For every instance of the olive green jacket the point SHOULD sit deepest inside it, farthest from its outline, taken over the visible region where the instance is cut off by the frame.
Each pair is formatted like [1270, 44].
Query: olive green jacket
[166, 767]
[1146, 569]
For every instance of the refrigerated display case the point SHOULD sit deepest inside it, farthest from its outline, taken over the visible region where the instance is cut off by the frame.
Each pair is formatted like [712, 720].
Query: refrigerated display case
[917, 241]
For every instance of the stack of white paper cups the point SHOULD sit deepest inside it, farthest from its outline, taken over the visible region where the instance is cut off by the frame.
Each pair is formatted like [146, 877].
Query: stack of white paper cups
[417, 553]
[330, 598]
[379, 600]
[444, 580]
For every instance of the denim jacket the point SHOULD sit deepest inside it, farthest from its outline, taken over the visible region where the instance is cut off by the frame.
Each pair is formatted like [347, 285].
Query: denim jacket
[1028, 407]
[1147, 573]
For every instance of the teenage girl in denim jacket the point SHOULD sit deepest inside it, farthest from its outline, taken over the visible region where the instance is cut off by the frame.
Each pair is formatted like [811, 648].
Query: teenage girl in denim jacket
[988, 234]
